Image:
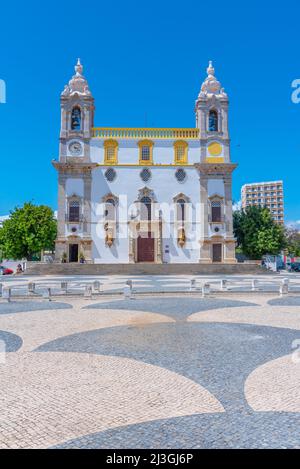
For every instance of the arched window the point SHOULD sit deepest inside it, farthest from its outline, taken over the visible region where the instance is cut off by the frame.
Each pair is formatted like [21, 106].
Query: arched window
[110, 210]
[76, 118]
[213, 121]
[74, 211]
[110, 152]
[146, 208]
[180, 152]
[180, 204]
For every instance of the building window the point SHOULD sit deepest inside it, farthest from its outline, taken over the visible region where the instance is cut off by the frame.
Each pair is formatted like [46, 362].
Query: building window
[74, 211]
[145, 152]
[213, 121]
[76, 118]
[180, 175]
[216, 211]
[180, 204]
[180, 152]
[110, 210]
[146, 208]
[110, 174]
[145, 174]
[110, 152]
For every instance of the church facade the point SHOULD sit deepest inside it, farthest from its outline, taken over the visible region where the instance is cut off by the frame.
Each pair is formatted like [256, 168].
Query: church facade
[129, 195]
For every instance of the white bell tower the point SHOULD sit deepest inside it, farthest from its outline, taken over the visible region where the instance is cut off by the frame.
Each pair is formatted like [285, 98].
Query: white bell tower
[212, 117]
[77, 117]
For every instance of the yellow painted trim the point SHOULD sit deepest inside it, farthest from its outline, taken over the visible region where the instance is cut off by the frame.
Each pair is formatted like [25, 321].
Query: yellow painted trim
[171, 133]
[179, 145]
[214, 160]
[110, 144]
[152, 164]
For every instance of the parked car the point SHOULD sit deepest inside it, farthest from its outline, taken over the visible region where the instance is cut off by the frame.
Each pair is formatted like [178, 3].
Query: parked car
[5, 270]
[295, 266]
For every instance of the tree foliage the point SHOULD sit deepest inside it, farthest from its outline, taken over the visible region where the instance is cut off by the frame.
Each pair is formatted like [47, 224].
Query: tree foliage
[29, 230]
[292, 242]
[257, 233]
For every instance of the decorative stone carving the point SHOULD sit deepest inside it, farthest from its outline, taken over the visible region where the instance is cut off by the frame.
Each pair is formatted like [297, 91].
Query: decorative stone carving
[77, 84]
[211, 86]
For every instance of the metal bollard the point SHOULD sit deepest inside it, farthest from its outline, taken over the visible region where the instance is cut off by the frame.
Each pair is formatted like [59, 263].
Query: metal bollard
[88, 291]
[1, 288]
[6, 294]
[205, 289]
[283, 289]
[47, 294]
[193, 284]
[64, 286]
[129, 283]
[254, 285]
[31, 287]
[96, 285]
[224, 286]
[127, 292]
[285, 281]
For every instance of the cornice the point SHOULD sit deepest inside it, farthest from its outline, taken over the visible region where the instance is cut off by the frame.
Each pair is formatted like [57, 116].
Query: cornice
[72, 167]
[220, 169]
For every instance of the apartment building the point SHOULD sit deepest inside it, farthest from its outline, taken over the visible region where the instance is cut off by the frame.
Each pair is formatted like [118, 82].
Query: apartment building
[265, 194]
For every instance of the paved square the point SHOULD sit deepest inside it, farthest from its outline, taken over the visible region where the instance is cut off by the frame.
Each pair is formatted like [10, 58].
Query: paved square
[157, 371]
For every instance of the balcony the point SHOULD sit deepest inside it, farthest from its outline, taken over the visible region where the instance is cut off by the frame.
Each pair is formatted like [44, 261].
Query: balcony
[140, 133]
[73, 219]
[220, 219]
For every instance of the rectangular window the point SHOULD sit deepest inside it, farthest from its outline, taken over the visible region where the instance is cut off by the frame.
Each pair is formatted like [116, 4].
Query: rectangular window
[180, 154]
[74, 212]
[110, 154]
[145, 153]
[216, 213]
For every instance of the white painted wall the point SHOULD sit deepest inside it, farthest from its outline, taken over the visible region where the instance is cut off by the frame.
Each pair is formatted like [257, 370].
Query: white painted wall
[126, 187]
[128, 151]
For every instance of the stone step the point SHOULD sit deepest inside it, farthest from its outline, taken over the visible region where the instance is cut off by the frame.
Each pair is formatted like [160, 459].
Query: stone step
[38, 268]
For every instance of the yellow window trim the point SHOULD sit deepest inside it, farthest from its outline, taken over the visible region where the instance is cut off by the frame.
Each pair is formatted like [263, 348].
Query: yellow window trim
[180, 145]
[146, 143]
[110, 146]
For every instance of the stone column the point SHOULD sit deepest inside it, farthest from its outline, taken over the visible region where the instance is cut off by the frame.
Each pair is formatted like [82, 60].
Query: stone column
[204, 206]
[228, 205]
[60, 243]
[87, 195]
[205, 255]
[61, 213]
[229, 253]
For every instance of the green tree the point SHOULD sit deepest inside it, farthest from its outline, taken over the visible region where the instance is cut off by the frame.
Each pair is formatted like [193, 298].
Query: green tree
[257, 233]
[29, 230]
[292, 241]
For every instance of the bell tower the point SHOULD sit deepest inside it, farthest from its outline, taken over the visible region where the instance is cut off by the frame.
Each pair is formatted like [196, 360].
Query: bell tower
[217, 243]
[74, 167]
[212, 118]
[77, 117]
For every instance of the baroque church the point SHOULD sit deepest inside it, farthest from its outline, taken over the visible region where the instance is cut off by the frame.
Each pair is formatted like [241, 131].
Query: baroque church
[129, 195]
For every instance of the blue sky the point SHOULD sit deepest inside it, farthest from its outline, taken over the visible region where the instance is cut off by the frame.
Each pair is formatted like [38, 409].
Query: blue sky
[145, 62]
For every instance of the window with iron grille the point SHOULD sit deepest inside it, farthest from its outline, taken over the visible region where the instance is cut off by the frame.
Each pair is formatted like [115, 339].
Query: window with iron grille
[180, 154]
[145, 153]
[110, 174]
[145, 174]
[180, 175]
[74, 209]
[216, 211]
